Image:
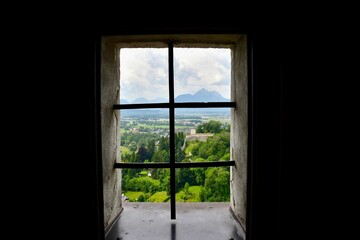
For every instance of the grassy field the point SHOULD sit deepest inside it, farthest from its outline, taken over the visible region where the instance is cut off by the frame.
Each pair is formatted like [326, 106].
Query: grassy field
[222, 120]
[194, 195]
[133, 196]
[159, 197]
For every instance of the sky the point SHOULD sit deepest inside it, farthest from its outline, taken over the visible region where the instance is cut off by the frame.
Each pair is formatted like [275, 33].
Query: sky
[144, 72]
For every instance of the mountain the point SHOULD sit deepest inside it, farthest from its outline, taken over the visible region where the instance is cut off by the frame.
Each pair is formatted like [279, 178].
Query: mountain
[145, 100]
[202, 95]
[140, 100]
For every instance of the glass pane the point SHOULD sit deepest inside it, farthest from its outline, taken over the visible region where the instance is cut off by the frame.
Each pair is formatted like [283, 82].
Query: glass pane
[144, 75]
[145, 185]
[144, 135]
[211, 184]
[202, 74]
[202, 134]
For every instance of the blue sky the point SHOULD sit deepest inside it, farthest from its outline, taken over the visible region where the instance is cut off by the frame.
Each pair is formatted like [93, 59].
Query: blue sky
[144, 72]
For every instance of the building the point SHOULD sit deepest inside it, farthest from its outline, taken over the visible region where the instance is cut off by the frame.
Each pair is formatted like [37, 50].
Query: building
[197, 136]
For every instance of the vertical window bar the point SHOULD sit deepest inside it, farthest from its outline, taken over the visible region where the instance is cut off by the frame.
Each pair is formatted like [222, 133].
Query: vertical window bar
[172, 131]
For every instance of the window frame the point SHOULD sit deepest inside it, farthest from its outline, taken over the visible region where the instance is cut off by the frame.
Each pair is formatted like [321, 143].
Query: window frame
[242, 76]
[171, 106]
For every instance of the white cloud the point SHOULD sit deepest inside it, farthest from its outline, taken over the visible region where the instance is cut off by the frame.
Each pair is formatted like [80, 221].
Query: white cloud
[144, 72]
[202, 68]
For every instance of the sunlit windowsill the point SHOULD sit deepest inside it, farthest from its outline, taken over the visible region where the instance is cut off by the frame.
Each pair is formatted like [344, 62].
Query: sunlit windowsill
[194, 220]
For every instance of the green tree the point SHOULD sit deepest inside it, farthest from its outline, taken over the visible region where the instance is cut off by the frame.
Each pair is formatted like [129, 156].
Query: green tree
[141, 198]
[217, 185]
[165, 184]
[150, 149]
[179, 142]
[199, 174]
[164, 144]
[210, 127]
[186, 189]
[142, 153]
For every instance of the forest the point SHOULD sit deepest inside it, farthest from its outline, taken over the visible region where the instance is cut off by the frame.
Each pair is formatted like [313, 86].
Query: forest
[210, 184]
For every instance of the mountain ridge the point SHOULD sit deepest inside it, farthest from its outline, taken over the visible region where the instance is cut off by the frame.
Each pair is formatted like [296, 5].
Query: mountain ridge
[202, 95]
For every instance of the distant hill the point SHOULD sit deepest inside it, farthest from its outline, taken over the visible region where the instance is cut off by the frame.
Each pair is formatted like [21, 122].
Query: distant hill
[202, 95]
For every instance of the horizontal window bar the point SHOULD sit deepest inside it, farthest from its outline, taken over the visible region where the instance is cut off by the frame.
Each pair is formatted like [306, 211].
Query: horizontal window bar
[176, 105]
[142, 165]
[204, 164]
[177, 165]
[141, 105]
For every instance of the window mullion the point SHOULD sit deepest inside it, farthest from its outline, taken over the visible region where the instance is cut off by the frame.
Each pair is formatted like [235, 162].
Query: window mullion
[172, 131]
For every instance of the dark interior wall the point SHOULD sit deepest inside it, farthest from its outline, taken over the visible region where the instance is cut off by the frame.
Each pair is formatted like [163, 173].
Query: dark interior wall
[268, 189]
[75, 196]
[267, 133]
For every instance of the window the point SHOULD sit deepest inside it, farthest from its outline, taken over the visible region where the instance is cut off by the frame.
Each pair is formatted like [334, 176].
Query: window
[112, 105]
[171, 106]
